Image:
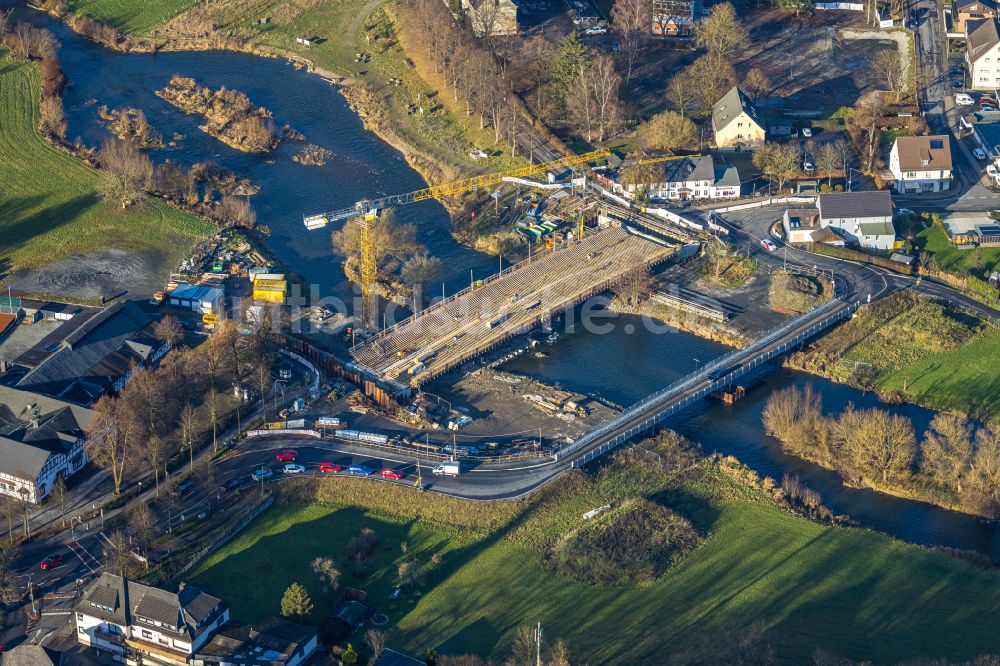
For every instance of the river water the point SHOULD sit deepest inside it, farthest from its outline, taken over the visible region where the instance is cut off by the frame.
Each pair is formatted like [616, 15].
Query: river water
[622, 366]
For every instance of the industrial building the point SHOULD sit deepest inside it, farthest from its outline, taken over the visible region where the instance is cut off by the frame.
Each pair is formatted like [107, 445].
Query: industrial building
[92, 354]
[199, 298]
[269, 287]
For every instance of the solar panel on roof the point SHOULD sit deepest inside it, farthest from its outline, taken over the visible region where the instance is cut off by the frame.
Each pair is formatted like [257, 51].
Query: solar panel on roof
[989, 229]
[937, 143]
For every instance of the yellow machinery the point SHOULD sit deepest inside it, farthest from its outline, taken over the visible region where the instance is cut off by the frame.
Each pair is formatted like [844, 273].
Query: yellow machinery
[365, 213]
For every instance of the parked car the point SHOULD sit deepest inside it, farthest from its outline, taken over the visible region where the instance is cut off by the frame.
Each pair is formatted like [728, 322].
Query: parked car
[963, 99]
[262, 474]
[182, 487]
[958, 85]
[808, 166]
[292, 468]
[768, 245]
[232, 484]
[329, 467]
[391, 474]
[979, 153]
[359, 470]
[287, 455]
[807, 132]
[52, 561]
[904, 211]
[596, 30]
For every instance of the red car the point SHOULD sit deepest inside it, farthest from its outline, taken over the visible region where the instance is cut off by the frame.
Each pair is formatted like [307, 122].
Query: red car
[52, 561]
[288, 455]
[329, 467]
[391, 474]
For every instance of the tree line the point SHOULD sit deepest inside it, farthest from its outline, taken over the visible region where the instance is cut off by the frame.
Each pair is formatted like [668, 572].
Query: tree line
[157, 418]
[955, 464]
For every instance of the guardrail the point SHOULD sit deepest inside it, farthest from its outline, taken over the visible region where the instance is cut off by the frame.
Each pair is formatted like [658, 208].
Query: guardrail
[703, 374]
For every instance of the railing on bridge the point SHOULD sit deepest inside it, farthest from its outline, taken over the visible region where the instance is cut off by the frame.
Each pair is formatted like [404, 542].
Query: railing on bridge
[709, 369]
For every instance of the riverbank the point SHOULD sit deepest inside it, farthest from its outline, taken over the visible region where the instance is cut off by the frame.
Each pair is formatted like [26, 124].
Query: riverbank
[853, 582]
[683, 321]
[54, 216]
[910, 348]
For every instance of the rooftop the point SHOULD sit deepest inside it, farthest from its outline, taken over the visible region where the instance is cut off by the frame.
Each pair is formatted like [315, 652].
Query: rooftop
[33, 427]
[732, 104]
[855, 204]
[273, 641]
[923, 153]
[982, 38]
[689, 169]
[803, 218]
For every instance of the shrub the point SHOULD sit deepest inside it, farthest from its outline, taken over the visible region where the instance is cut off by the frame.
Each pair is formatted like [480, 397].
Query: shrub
[637, 542]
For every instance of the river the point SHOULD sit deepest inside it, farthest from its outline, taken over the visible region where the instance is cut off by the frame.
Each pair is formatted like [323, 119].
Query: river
[622, 366]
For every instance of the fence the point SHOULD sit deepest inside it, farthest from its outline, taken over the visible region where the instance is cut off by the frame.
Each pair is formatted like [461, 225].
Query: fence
[687, 304]
[826, 314]
[228, 533]
[851, 6]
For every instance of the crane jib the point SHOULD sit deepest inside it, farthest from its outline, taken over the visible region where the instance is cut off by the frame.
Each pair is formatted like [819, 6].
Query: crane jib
[364, 207]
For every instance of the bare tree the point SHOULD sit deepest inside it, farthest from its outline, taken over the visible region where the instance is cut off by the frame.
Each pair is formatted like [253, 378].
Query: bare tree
[756, 84]
[212, 399]
[235, 211]
[142, 524]
[155, 454]
[375, 640]
[888, 65]
[713, 76]
[827, 161]
[946, 452]
[188, 421]
[867, 116]
[593, 100]
[986, 465]
[327, 572]
[879, 444]
[117, 557]
[667, 131]
[779, 161]
[127, 171]
[10, 588]
[633, 20]
[168, 330]
[59, 495]
[682, 92]
[111, 442]
[722, 33]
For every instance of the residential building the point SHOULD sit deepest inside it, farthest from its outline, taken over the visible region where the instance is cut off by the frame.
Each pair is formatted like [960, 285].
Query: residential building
[696, 177]
[274, 642]
[29, 654]
[737, 122]
[92, 354]
[491, 18]
[137, 623]
[800, 223]
[966, 11]
[41, 439]
[982, 54]
[862, 218]
[921, 163]
[673, 18]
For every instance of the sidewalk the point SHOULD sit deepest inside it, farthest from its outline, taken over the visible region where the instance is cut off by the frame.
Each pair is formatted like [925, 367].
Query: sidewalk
[98, 488]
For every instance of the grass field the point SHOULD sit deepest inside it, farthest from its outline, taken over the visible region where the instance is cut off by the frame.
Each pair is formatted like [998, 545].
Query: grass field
[966, 378]
[851, 591]
[49, 208]
[924, 350]
[132, 16]
[978, 262]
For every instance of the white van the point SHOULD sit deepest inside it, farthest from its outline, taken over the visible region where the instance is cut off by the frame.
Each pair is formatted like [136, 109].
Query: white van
[963, 99]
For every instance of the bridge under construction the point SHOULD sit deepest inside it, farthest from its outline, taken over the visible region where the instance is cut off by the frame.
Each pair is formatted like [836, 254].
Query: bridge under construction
[472, 321]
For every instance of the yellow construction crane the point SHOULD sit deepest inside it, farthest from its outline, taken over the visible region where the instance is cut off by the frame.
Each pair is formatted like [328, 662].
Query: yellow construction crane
[365, 212]
[644, 160]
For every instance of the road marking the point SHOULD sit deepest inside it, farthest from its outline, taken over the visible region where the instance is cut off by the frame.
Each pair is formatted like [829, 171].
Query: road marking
[73, 545]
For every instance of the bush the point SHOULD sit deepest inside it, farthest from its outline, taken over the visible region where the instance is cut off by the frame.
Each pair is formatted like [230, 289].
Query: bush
[637, 542]
[838, 188]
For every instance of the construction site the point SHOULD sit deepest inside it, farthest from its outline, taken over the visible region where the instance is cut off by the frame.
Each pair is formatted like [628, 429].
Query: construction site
[569, 268]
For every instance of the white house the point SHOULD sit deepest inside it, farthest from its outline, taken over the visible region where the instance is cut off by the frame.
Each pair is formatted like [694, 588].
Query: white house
[141, 624]
[737, 123]
[982, 54]
[862, 218]
[688, 178]
[921, 163]
[41, 439]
